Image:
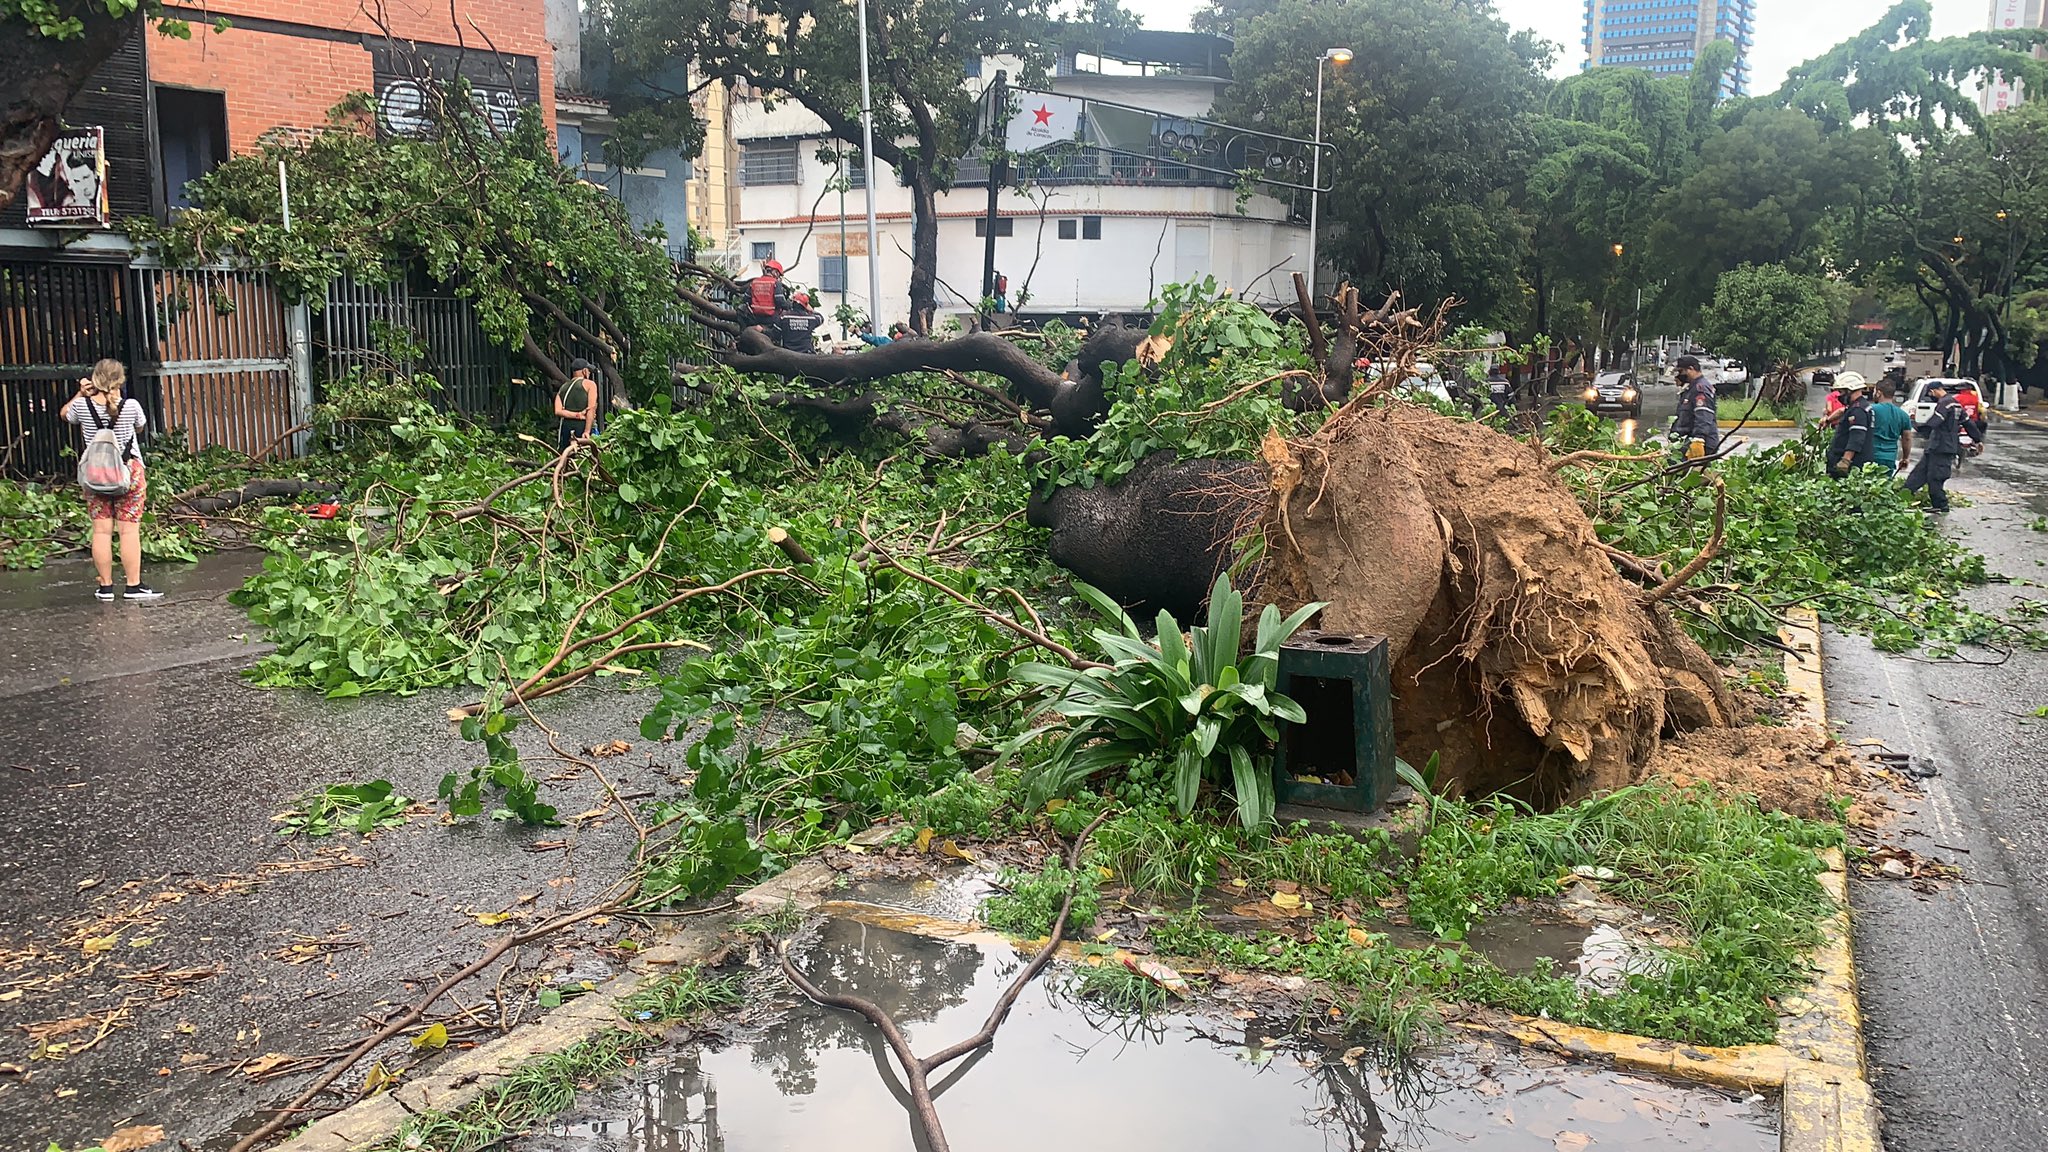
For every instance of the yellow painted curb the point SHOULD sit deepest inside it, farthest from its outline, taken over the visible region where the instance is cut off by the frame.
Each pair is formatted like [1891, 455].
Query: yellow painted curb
[1826, 1109]
[1749, 1068]
[1801, 633]
[2016, 418]
[1757, 423]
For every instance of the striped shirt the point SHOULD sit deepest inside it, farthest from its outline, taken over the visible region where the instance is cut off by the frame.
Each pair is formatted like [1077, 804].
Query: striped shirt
[126, 424]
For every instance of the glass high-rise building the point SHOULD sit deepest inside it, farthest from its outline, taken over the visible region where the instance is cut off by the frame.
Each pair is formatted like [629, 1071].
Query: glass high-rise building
[1664, 36]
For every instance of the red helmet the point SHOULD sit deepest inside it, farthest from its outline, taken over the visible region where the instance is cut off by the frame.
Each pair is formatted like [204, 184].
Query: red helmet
[803, 298]
[772, 266]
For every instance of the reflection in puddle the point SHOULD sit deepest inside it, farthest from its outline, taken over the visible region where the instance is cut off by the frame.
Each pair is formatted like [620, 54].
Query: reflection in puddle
[819, 1079]
[1628, 431]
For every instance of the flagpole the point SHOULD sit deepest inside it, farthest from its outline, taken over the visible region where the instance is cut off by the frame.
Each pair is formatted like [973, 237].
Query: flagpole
[867, 132]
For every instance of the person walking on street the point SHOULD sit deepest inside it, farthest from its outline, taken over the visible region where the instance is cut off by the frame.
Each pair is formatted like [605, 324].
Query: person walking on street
[1853, 444]
[1891, 431]
[100, 406]
[576, 405]
[1697, 427]
[1941, 433]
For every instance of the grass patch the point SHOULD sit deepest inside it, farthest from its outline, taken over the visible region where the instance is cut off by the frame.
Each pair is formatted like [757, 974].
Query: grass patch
[1736, 407]
[683, 994]
[542, 1087]
[1031, 901]
[547, 1085]
[1742, 884]
[1393, 993]
[1117, 989]
[1159, 852]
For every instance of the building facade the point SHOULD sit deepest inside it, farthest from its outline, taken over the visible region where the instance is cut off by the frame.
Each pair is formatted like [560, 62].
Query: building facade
[1096, 232]
[656, 191]
[170, 110]
[1665, 36]
[2000, 92]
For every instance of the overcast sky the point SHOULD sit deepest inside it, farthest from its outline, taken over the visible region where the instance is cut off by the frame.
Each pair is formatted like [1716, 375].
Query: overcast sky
[1787, 31]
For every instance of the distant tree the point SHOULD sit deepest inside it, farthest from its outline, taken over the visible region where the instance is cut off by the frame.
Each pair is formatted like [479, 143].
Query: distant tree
[1767, 314]
[808, 51]
[1763, 184]
[1430, 132]
[1893, 74]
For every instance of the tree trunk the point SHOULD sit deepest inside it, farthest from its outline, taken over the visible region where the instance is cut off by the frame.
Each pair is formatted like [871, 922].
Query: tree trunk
[42, 75]
[924, 247]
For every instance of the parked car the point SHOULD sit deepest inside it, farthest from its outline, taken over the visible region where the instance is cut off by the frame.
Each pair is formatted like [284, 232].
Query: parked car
[1732, 372]
[1615, 392]
[1918, 406]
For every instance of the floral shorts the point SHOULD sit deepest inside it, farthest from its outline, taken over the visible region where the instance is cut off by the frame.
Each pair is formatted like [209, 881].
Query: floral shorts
[125, 509]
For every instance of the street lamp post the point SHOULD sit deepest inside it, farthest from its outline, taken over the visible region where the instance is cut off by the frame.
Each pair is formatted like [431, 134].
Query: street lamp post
[1338, 56]
[867, 133]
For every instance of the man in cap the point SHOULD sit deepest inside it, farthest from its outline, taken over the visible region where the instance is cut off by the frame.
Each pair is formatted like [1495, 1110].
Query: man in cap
[576, 403]
[1697, 428]
[1942, 433]
[1854, 444]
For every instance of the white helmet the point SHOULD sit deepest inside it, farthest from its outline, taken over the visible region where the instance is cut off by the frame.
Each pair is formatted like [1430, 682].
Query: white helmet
[1851, 382]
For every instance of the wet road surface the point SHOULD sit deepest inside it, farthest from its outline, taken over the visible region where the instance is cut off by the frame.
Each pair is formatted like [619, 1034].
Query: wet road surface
[1953, 980]
[154, 925]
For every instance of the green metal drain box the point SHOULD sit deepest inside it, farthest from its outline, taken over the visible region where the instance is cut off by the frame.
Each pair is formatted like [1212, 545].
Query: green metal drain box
[1343, 757]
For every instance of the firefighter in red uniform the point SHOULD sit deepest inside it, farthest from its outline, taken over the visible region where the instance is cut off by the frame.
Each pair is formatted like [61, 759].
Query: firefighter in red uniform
[767, 298]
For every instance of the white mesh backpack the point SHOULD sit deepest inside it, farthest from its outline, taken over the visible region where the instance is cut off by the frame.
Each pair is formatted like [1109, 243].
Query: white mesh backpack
[103, 466]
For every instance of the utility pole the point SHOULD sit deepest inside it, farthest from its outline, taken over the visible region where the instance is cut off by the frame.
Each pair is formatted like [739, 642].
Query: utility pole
[998, 120]
[1636, 341]
[867, 137]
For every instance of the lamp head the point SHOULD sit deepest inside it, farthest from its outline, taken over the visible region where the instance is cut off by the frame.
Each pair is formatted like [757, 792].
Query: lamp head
[1338, 55]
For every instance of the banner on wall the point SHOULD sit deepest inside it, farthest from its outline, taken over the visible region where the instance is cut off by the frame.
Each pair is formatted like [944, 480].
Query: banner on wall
[69, 188]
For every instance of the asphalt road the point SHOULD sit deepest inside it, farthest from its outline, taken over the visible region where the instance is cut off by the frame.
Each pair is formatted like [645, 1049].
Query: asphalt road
[1953, 979]
[145, 890]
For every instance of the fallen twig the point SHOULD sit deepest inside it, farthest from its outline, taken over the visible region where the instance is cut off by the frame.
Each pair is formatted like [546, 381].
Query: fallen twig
[882, 556]
[917, 1072]
[1707, 553]
[287, 1115]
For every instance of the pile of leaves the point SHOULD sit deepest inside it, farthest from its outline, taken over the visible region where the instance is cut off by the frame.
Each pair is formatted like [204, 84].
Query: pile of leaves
[1214, 393]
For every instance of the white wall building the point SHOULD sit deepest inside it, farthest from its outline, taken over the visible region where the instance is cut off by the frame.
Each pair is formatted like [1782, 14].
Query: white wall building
[1099, 234]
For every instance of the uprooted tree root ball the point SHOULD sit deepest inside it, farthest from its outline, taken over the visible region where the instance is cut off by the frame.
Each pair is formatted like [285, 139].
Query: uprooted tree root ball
[1527, 663]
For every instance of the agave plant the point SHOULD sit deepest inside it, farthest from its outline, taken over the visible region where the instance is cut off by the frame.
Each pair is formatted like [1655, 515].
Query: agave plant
[1189, 697]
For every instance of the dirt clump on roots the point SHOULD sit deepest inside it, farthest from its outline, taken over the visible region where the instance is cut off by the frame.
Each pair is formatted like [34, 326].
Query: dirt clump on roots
[1796, 770]
[1519, 655]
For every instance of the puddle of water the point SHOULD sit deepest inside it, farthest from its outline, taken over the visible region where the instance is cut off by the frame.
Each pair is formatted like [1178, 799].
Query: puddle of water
[954, 894]
[818, 1078]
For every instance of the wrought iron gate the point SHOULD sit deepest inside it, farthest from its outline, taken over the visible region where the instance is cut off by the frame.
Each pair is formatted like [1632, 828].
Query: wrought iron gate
[55, 321]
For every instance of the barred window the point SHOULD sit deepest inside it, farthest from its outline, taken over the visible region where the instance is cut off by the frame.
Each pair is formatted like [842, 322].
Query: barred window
[769, 162]
[831, 273]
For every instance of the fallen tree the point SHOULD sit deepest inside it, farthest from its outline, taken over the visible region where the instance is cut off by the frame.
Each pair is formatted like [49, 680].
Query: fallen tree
[1521, 657]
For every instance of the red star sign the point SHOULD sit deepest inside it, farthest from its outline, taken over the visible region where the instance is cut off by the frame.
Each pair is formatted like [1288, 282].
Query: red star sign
[1042, 116]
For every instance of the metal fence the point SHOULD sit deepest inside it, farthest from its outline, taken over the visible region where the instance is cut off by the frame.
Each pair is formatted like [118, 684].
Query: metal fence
[406, 326]
[211, 351]
[213, 346]
[55, 321]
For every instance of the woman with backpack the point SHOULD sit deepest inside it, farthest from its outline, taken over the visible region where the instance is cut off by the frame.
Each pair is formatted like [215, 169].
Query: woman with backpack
[110, 470]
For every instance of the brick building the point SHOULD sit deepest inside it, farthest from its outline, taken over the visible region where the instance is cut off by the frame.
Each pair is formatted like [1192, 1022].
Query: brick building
[284, 63]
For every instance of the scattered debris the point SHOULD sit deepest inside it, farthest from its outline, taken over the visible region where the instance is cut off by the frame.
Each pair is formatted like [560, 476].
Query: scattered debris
[1891, 862]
